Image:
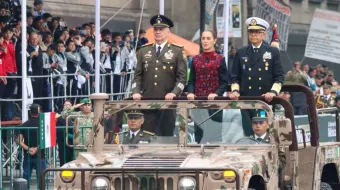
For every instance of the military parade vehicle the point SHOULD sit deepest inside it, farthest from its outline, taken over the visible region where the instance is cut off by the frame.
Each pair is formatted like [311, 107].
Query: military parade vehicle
[206, 162]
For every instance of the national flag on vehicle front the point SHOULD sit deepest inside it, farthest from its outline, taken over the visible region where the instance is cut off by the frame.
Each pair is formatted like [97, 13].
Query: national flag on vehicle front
[47, 129]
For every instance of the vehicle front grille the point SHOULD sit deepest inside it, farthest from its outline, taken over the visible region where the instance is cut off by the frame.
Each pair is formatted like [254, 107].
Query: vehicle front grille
[166, 162]
[144, 183]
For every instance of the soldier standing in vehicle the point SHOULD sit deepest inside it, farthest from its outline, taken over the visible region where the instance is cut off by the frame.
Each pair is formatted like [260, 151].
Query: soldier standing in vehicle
[85, 120]
[135, 134]
[161, 72]
[257, 70]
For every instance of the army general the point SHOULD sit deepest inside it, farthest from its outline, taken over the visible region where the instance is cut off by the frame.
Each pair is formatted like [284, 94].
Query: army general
[257, 69]
[161, 72]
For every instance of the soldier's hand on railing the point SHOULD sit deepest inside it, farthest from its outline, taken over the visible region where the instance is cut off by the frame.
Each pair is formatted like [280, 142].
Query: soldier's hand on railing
[4, 80]
[234, 95]
[137, 96]
[212, 96]
[191, 96]
[269, 96]
[87, 76]
[170, 96]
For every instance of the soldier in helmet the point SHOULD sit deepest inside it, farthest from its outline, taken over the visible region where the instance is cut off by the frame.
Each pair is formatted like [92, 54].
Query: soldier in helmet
[161, 71]
[135, 134]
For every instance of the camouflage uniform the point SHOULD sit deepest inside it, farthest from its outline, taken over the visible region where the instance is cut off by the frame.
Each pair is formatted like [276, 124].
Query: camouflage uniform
[83, 134]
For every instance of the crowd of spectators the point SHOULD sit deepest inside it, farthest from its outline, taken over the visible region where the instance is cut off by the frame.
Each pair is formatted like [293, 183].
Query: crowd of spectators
[68, 54]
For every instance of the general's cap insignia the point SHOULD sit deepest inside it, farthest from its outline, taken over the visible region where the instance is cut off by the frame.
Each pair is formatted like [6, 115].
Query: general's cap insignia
[159, 20]
[253, 22]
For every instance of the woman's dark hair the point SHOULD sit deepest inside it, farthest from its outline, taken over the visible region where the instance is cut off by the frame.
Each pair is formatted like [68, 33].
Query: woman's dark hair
[212, 32]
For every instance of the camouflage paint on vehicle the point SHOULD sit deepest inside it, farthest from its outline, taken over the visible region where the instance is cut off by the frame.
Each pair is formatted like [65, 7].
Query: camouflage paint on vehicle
[260, 160]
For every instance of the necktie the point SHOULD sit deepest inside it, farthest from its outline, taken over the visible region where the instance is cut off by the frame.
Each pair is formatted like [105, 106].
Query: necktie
[158, 51]
[133, 136]
[259, 139]
[256, 50]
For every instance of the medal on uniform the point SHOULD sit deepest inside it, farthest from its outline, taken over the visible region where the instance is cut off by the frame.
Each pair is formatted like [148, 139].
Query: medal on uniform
[246, 60]
[164, 67]
[267, 64]
[169, 54]
[148, 55]
[171, 67]
[267, 55]
[266, 68]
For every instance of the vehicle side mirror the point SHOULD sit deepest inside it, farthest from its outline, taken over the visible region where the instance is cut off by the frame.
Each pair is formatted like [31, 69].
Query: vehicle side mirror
[284, 131]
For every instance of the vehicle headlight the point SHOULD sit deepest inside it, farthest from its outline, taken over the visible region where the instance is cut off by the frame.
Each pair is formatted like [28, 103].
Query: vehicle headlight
[229, 176]
[187, 183]
[67, 176]
[100, 183]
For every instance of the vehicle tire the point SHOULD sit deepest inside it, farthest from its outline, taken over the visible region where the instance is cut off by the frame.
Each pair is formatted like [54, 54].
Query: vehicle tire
[325, 186]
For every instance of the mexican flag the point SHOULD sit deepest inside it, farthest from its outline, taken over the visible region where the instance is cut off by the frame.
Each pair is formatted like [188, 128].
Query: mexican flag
[47, 130]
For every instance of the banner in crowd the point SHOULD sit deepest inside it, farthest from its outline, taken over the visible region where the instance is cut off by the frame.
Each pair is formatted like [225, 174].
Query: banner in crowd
[275, 12]
[324, 36]
[47, 130]
[235, 19]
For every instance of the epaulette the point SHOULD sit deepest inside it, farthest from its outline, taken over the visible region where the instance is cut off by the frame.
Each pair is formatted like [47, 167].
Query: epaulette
[146, 45]
[177, 45]
[148, 132]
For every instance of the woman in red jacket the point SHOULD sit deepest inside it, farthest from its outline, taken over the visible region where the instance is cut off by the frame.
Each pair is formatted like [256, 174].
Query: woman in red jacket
[3, 80]
[208, 72]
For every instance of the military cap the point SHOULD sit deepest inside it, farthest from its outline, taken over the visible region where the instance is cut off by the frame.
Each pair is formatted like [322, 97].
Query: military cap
[330, 72]
[256, 23]
[260, 116]
[334, 90]
[161, 21]
[326, 85]
[134, 114]
[34, 108]
[85, 101]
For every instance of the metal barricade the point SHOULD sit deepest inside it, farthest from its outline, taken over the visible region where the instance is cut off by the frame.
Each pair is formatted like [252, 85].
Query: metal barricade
[123, 92]
[13, 156]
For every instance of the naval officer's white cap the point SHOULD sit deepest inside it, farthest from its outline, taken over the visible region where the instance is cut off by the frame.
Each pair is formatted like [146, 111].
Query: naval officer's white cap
[255, 23]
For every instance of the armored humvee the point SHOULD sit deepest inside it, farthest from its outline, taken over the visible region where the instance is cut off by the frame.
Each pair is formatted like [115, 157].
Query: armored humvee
[175, 162]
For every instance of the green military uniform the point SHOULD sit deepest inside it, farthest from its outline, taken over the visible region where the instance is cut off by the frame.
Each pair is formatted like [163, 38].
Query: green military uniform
[328, 100]
[266, 139]
[83, 135]
[141, 137]
[261, 140]
[160, 70]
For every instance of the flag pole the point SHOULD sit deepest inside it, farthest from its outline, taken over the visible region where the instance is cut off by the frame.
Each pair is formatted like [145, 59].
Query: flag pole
[24, 60]
[161, 7]
[226, 31]
[97, 48]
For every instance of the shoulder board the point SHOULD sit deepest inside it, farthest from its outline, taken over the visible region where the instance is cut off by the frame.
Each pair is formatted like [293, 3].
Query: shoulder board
[149, 133]
[177, 45]
[146, 45]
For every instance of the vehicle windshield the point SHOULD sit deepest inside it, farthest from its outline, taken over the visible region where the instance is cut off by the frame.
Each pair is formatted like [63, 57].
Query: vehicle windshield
[199, 125]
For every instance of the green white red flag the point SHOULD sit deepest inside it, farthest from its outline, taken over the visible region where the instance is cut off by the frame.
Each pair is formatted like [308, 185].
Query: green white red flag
[47, 130]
